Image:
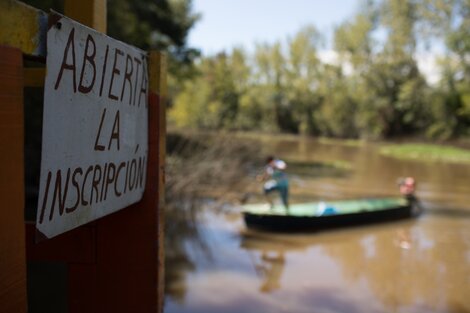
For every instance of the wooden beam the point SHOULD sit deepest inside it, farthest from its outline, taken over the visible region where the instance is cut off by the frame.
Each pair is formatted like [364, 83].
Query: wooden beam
[91, 13]
[12, 229]
[23, 27]
[76, 246]
[158, 91]
[128, 275]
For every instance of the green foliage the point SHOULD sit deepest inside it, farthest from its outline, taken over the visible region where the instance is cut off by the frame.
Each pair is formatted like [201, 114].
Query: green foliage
[162, 25]
[150, 24]
[353, 40]
[335, 114]
[399, 17]
[191, 105]
[211, 100]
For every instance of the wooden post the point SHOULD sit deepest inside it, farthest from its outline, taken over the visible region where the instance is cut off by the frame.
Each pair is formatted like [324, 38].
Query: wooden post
[12, 229]
[91, 13]
[23, 27]
[22, 31]
[114, 264]
[158, 91]
[129, 267]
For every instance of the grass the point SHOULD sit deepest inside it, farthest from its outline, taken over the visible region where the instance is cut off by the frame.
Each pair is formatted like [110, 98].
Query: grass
[427, 152]
[341, 142]
[323, 140]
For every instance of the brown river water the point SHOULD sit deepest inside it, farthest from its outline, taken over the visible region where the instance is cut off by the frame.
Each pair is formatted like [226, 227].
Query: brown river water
[416, 265]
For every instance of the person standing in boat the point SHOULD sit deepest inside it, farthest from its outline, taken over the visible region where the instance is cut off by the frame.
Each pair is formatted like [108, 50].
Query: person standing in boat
[275, 179]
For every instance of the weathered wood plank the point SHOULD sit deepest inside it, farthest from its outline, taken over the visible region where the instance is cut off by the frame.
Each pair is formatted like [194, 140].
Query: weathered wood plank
[23, 27]
[91, 13]
[12, 234]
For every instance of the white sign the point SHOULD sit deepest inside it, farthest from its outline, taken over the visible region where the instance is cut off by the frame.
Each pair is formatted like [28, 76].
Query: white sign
[94, 142]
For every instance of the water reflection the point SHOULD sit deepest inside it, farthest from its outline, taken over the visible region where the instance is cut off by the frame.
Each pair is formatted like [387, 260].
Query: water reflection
[411, 266]
[417, 266]
[271, 268]
[267, 255]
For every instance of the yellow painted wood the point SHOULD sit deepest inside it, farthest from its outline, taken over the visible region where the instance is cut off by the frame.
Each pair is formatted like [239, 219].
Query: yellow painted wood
[157, 73]
[22, 27]
[91, 13]
[34, 77]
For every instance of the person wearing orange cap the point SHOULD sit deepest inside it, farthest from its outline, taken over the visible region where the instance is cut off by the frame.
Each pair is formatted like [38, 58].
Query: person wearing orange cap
[407, 189]
[407, 186]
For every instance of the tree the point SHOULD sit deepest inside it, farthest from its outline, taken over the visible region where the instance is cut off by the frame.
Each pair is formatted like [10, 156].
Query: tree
[151, 24]
[213, 97]
[353, 40]
[354, 43]
[391, 92]
[270, 77]
[449, 20]
[375, 90]
[304, 77]
[336, 114]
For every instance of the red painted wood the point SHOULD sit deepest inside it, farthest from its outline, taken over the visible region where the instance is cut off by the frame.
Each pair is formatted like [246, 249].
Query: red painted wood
[12, 237]
[77, 246]
[83, 292]
[126, 273]
[115, 264]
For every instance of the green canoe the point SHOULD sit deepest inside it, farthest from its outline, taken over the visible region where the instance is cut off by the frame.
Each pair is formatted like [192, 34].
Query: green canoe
[320, 215]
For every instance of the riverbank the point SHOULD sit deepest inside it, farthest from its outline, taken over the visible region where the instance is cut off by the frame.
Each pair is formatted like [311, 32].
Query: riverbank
[223, 165]
[427, 152]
